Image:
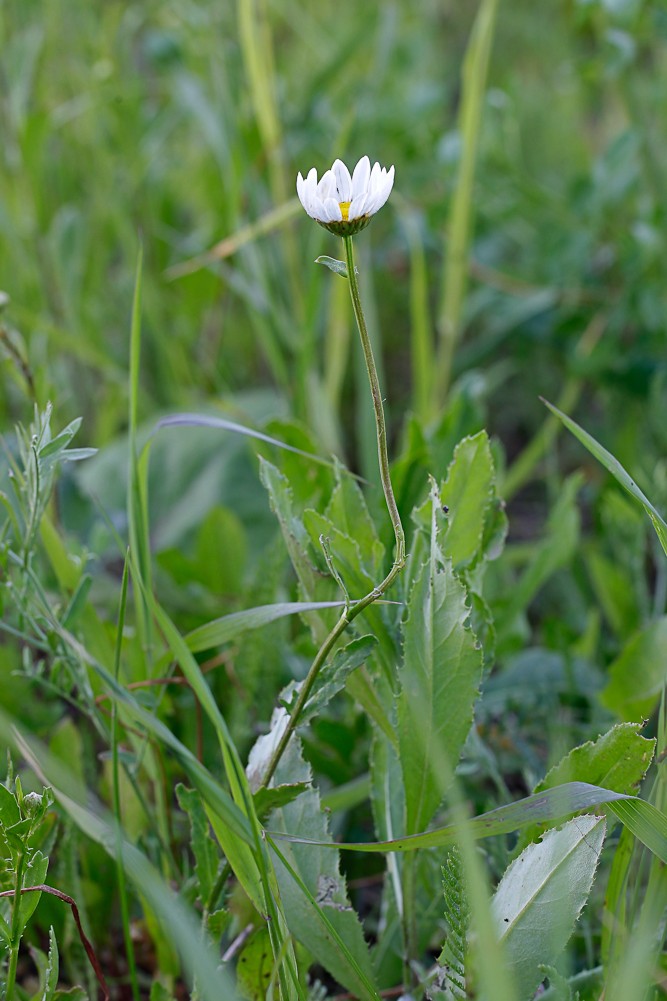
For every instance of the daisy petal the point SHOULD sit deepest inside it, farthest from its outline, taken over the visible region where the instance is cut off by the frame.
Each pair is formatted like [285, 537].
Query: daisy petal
[343, 181]
[361, 177]
[327, 186]
[332, 212]
[358, 206]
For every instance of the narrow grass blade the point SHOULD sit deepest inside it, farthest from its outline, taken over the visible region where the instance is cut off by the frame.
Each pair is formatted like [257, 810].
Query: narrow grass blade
[647, 823]
[613, 466]
[474, 76]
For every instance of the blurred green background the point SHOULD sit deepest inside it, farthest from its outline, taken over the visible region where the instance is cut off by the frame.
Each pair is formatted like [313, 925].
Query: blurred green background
[178, 124]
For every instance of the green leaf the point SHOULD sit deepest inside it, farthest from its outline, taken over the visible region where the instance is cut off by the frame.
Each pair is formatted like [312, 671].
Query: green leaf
[255, 967]
[52, 969]
[440, 679]
[334, 674]
[618, 760]
[468, 492]
[207, 857]
[638, 675]
[613, 466]
[347, 510]
[542, 894]
[276, 796]
[321, 918]
[338, 267]
[9, 808]
[35, 874]
[61, 440]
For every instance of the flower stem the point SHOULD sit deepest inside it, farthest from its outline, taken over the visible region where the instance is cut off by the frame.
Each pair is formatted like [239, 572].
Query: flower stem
[15, 933]
[355, 608]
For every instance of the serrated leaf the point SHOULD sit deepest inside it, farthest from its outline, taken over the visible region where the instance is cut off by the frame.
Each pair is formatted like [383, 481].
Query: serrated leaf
[338, 267]
[613, 466]
[467, 492]
[319, 871]
[347, 510]
[207, 857]
[52, 970]
[334, 674]
[638, 675]
[618, 760]
[541, 895]
[440, 679]
[272, 798]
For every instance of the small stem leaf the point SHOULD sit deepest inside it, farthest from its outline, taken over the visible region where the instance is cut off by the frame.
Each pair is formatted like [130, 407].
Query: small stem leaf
[542, 894]
[338, 267]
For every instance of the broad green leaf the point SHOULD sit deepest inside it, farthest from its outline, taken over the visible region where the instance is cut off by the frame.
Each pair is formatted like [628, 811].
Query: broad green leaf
[207, 858]
[440, 679]
[617, 760]
[319, 872]
[613, 466]
[645, 821]
[255, 967]
[338, 267]
[639, 673]
[541, 895]
[467, 493]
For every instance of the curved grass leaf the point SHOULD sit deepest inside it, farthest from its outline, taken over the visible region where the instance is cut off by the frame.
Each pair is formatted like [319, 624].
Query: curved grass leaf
[646, 822]
[613, 466]
[222, 424]
[228, 627]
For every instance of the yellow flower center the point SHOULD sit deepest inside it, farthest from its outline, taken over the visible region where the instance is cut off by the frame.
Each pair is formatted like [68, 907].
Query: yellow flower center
[344, 210]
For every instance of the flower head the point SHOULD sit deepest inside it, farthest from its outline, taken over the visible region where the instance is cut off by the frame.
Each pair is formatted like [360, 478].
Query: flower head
[343, 204]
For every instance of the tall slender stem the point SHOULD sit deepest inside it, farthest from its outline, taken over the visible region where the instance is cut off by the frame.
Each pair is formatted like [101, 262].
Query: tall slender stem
[356, 607]
[15, 934]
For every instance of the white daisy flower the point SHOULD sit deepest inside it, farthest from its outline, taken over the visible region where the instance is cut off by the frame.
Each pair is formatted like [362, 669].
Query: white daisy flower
[343, 204]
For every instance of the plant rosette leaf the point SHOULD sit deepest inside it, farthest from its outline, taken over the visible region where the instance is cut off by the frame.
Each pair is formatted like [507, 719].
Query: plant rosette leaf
[541, 895]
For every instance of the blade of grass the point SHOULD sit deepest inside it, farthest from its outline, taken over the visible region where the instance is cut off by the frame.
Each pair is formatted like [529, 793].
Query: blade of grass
[647, 823]
[115, 771]
[137, 502]
[613, 466]
[474, 77]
